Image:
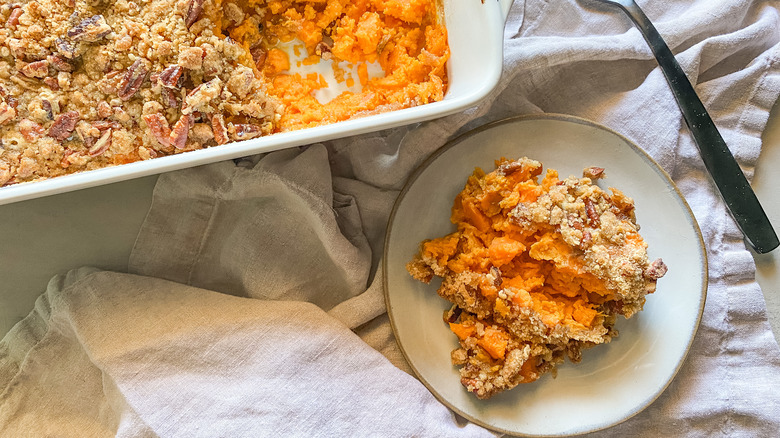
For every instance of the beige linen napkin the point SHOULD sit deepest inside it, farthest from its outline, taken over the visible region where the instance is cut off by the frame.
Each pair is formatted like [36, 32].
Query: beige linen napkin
[247, 277]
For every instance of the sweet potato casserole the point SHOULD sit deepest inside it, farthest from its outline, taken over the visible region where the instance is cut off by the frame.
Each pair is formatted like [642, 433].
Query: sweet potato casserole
[536, 271]
[86, 84]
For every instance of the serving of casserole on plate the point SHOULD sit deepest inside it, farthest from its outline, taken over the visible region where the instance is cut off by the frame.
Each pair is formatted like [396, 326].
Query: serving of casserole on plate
[88, 86]
[485, 341]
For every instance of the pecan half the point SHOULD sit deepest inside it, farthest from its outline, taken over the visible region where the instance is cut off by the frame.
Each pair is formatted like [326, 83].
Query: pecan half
[219, 128]
[194, 8]
[102, 145]
[244, 131]
[37, 69]
[181, 130]
[132, 80]
[64, 125]
[159, 128]
[90, 29]
[13, 18]
[7, 113]
[65, 48]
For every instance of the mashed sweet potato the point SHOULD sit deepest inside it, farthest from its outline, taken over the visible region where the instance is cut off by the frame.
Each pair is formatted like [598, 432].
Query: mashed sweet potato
[536, 271]
[407, 39]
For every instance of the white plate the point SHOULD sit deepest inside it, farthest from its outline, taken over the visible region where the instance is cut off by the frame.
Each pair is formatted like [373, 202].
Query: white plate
[614, 381]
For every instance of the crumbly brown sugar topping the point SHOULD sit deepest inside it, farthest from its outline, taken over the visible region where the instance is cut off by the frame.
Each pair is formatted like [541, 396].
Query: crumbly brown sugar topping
[86, 84]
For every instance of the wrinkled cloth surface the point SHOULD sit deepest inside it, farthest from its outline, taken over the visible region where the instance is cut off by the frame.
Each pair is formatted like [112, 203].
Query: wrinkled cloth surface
[253, 303]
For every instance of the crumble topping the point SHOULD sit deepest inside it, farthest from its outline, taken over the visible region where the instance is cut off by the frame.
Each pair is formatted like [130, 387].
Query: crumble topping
[86, 84]
[536, 271]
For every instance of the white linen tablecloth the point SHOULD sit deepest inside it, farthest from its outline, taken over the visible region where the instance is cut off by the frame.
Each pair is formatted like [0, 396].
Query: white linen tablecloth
[252, 305]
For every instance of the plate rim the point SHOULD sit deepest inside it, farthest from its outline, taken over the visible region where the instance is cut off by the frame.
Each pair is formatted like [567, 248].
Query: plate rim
[565, 118]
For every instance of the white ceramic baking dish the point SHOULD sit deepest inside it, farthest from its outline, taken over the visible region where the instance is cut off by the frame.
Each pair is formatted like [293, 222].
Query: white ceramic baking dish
[475, 32]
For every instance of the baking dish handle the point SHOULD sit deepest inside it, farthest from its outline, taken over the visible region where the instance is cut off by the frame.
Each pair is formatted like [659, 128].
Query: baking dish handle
[505, 5]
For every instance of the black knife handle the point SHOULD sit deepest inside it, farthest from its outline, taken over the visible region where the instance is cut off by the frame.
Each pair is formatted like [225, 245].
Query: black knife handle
[723, 168]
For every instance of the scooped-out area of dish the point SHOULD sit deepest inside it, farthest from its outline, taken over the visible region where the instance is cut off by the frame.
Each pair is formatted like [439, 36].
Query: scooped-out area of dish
[85, 85]
[536, 271]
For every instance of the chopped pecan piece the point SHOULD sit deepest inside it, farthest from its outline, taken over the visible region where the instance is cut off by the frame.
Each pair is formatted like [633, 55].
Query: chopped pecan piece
[380, 47]
[65, 48]
[244, 131]
[64, 125]
[194, 8]
[509, 167]
[52, 83]
[323, 50]
[87, 133]
[575, 222]
[46, 105]
[104, 110]
[30, 130]
[90, 29]
[181, 130]
[656, 270]
[169, 98]
[103, 125]
[593, 216]
[60, 63]
[64, 162]
[37, 69]
[219, 128]
[7, 113]
[259, 55]
[159, 128]
[170, 77]
[453, 314]
[593, 172]
[13, 18]
[103, 143]
[498, 279]
[586, 240]
[132, 80]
